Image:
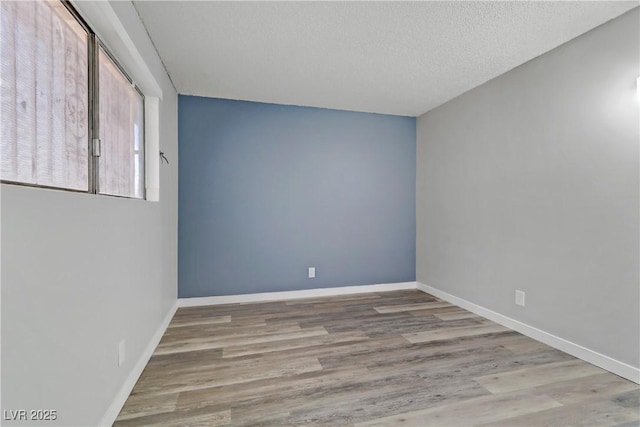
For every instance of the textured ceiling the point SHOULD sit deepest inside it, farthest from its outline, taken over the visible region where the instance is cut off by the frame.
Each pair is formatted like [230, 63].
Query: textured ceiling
[400, 58]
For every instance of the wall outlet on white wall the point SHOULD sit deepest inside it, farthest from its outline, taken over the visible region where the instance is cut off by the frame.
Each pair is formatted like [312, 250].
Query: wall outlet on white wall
[520, 298]
[312, 272]
[121, 353]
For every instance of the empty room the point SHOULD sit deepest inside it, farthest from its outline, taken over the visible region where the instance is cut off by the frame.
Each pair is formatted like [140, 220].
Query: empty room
[320, 213]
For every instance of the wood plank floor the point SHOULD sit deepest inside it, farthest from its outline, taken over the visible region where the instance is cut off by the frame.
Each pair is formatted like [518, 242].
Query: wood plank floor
[384, 359]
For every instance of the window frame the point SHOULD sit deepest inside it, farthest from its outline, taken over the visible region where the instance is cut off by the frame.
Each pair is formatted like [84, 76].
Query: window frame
[94, 44]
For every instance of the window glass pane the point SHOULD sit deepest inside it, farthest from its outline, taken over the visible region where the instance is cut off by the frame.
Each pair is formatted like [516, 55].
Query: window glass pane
[44, 102]
[121, 132]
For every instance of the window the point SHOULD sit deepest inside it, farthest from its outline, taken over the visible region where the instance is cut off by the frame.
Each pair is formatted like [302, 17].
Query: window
[71, 118]
[121, 109]
[44, 96]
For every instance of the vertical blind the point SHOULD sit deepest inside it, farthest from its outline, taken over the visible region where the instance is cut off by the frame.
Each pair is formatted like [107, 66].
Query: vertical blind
[44, 95]
[121, 123]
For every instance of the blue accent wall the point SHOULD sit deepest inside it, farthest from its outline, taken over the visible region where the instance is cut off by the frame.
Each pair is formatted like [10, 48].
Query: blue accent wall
[266, 191]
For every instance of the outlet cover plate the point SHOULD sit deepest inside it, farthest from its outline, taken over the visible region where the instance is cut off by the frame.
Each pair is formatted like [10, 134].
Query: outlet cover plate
[520, 298]
[121, 353]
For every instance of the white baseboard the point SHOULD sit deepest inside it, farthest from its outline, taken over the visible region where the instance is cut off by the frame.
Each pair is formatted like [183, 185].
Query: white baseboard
[118, 402]
[288, 295]
[605, 362]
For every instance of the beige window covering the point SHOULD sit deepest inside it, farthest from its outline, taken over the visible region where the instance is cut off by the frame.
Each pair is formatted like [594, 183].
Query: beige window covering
[121, 133]
[44, 105]
[43, 95]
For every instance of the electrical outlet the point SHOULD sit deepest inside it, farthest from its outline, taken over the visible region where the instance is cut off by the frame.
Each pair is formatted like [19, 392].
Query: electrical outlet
[520, 298]
[121, 353]
[312, 272]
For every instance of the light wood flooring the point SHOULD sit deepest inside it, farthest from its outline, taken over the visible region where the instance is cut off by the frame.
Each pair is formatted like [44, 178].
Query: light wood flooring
[379, 359]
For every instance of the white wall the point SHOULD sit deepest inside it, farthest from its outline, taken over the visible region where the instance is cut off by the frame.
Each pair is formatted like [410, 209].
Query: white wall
[82, 272]
[530, 182]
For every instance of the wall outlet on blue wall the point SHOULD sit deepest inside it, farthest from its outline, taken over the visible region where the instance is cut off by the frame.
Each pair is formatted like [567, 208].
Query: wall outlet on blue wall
[312, 272]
